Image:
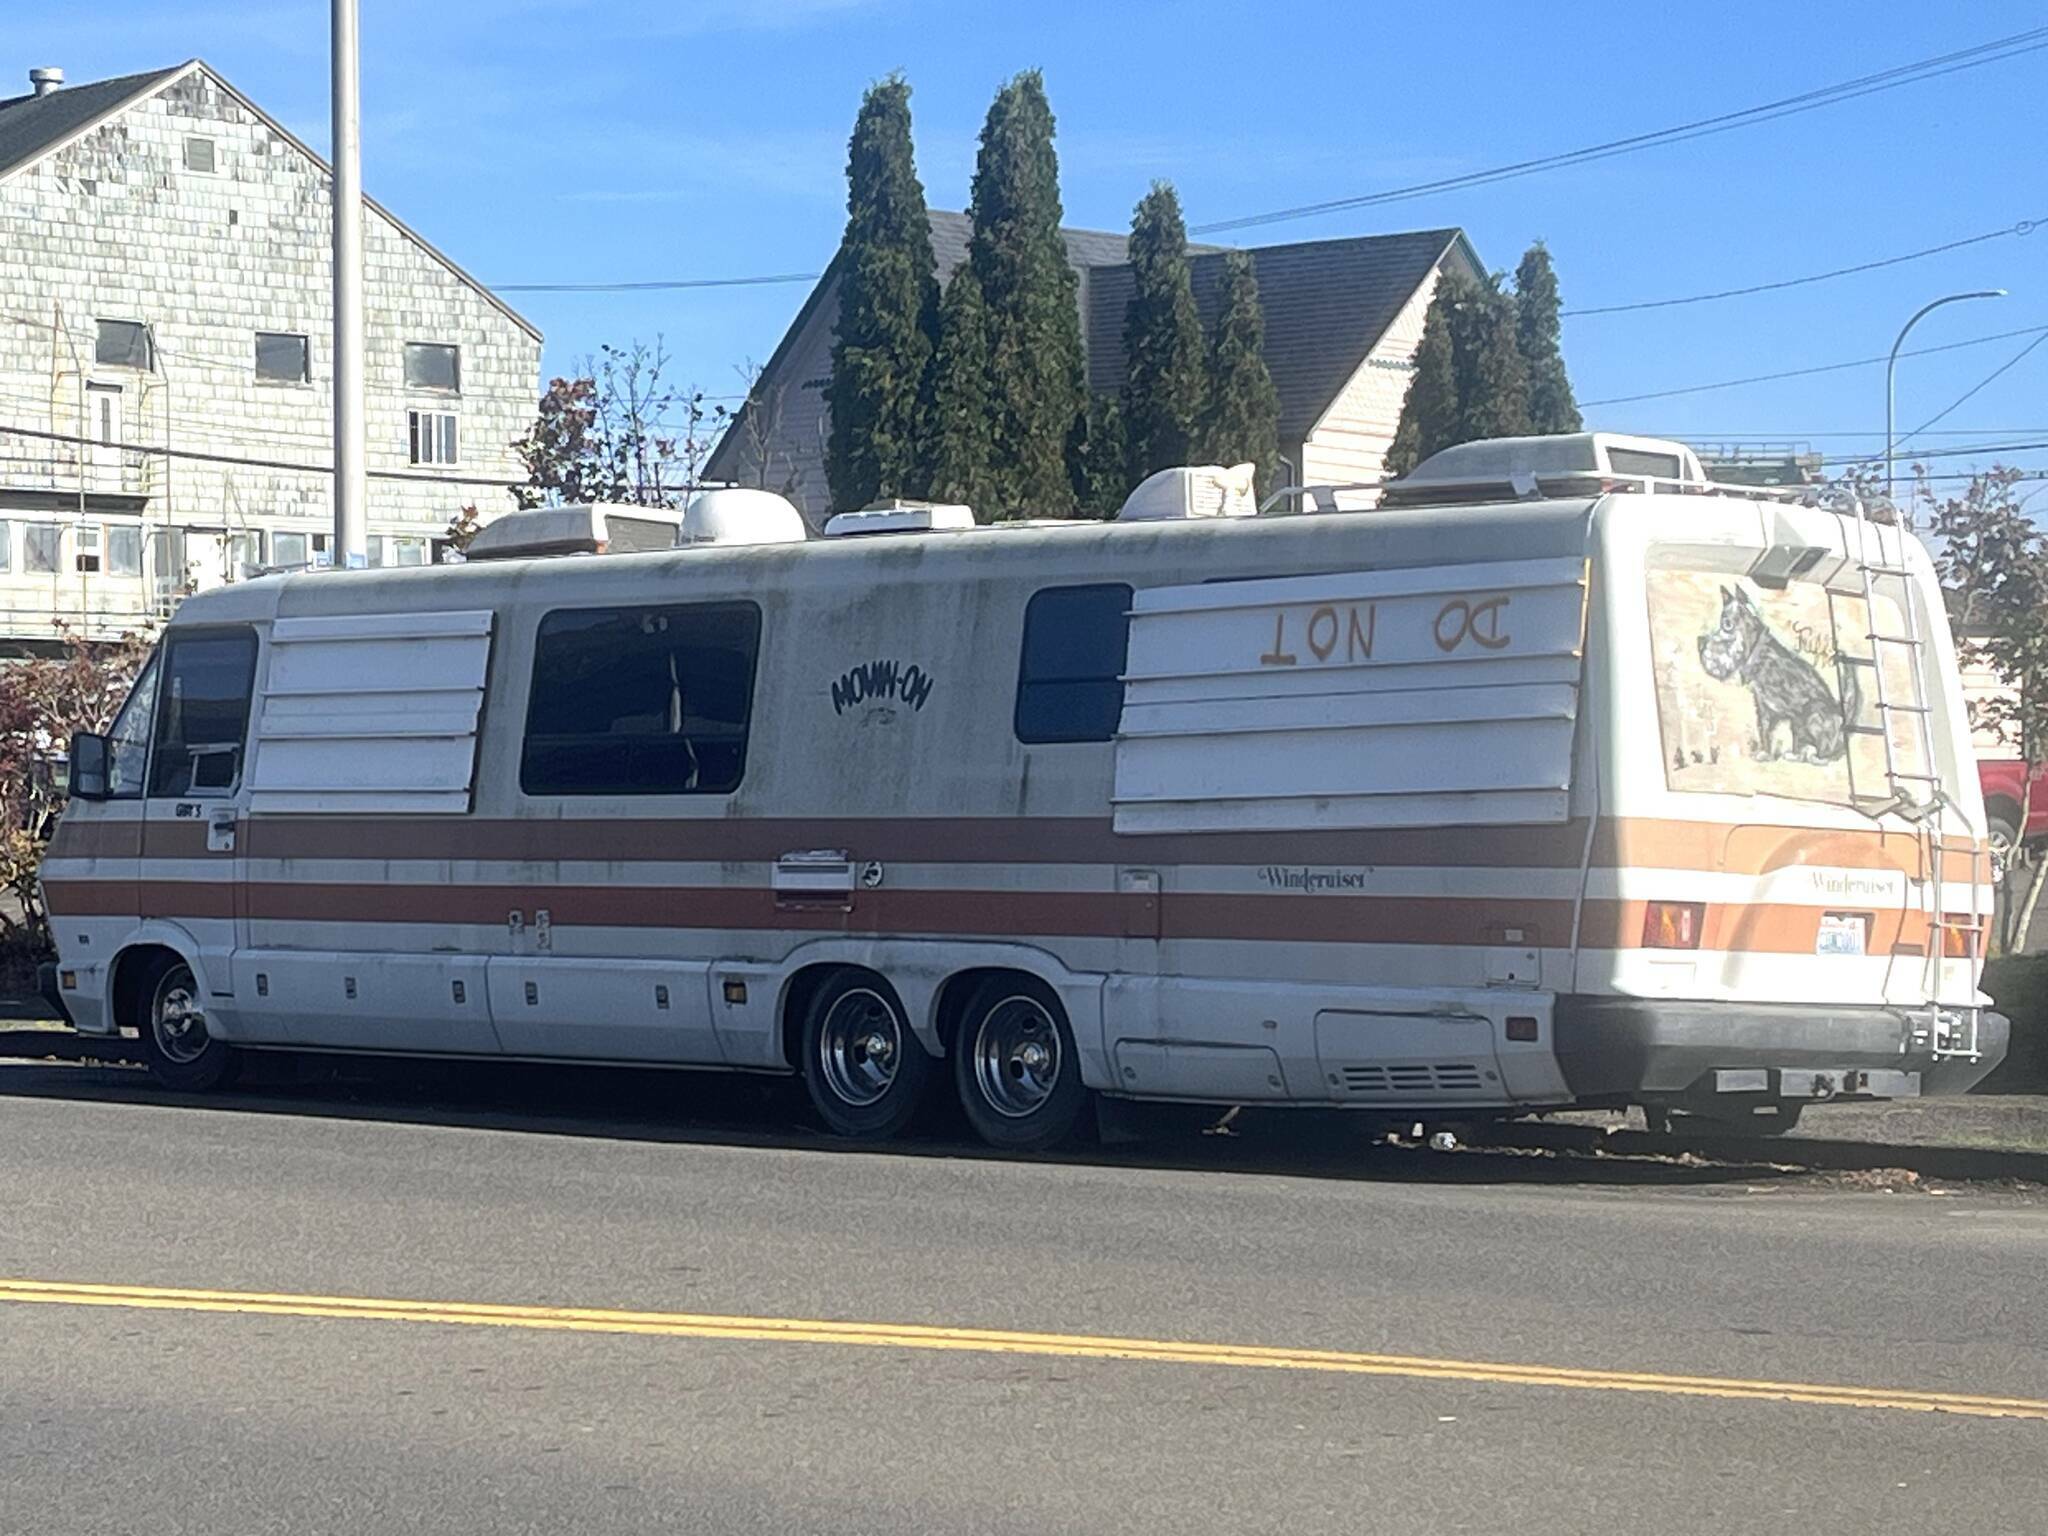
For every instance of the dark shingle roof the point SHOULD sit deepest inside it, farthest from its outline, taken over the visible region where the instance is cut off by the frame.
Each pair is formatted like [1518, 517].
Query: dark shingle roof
[1327, 303]
[29, 125]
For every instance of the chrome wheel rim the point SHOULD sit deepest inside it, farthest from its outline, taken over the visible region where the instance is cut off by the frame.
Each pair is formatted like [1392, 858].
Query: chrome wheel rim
[1017, 1057]
[176, 1021]
[860, 1047]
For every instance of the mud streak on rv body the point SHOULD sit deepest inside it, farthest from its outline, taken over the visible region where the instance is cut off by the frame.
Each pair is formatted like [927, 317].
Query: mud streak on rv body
[1294, 810]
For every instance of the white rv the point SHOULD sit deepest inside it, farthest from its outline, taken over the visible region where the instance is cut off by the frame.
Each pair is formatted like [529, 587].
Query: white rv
[1565, 779]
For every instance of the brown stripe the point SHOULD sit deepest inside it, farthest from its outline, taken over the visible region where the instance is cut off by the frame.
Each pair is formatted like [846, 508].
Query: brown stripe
[1753, 928]
[1639, 843]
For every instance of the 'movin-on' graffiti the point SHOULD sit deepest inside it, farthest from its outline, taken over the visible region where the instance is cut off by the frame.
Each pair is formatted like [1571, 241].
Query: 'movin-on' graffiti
[1345, 632]
[877, 682]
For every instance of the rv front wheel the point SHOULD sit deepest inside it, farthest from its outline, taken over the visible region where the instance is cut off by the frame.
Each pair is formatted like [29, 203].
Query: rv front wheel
[865, 1069]
[1015, 1066]
[175, 1045]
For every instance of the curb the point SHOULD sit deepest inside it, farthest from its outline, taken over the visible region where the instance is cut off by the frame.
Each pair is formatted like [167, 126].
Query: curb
[1977, 1164]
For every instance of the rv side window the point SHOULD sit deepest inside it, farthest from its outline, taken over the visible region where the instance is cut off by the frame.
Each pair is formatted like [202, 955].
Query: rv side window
[641, 701]
[1070, 677]
[203, 713]
[128, 737]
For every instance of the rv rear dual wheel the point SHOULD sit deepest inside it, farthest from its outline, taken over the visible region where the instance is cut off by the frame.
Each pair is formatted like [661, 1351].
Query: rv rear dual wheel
[176, 1048]
[1014, 1064]
[864, 1067]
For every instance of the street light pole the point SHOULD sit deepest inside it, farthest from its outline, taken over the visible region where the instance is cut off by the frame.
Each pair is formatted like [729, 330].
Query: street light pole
[350, 544]
[1891, 369]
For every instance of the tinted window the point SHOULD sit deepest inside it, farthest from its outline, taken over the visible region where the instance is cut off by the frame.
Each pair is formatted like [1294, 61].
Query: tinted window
[203, 714]
[1070, 680]
[281, 358]
[128, 737]
[641, 701]
[123, 344]
[433, 365]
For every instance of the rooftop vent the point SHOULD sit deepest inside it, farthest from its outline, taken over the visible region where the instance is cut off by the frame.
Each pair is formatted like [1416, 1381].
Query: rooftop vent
[740, 515]
[1568, 464]
[577, 530]
[45, 80]
[899, 517]
[1192, 490]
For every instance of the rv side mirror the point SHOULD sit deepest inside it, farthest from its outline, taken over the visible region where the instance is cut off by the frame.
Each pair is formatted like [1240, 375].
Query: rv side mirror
[88, 771]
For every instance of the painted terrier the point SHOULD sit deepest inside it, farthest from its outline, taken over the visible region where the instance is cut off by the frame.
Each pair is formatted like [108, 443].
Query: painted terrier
[1786, 687]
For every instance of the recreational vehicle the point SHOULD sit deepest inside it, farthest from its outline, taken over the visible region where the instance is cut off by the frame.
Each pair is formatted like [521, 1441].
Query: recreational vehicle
[1565, 778]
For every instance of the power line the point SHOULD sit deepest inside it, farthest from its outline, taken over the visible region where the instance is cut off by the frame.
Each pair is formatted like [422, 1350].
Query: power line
[1800, 373]
[1944, 453]
[2003, 367]
[10, 430]
[1885, 80]
[2023, 228]
[659, 286]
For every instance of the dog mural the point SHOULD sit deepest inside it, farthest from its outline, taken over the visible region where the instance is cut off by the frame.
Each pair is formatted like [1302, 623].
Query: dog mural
[1787, 688]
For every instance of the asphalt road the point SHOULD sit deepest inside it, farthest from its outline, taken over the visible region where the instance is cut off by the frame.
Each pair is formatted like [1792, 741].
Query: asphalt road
[1513, 1343]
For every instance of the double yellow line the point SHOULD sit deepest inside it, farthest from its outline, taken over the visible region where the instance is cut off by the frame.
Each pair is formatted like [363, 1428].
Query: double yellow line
[790, 1330]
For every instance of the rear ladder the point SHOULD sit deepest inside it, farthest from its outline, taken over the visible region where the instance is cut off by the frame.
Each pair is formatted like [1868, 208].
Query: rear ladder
[1947, 1028]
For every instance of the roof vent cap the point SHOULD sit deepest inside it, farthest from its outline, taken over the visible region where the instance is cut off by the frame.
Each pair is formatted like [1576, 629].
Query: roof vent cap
[45, 80]
[739, 514]
[1192, 490]
[586, 529]
[900, 517]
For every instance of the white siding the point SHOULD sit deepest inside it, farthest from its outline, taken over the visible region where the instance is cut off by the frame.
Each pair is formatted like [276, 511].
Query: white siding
[114, 226]
[1350, 442]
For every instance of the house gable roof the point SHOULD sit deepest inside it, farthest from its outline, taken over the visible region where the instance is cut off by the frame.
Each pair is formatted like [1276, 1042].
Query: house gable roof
[1327, 304]
[34, 126]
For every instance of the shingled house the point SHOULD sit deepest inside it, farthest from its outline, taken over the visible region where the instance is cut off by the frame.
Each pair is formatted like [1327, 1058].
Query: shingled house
[165, 314]
[1343, 318]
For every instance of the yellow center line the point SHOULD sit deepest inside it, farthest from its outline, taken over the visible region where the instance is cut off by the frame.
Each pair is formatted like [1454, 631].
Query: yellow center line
[694, 1325]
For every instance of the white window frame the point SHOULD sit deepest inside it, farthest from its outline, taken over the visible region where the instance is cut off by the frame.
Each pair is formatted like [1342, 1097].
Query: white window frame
[107, 549]
[148, 365]
[6, 546]
[213, 153]
[87, 543]
[433, 438]
[277, 554]
[56, 553]
[270, 381]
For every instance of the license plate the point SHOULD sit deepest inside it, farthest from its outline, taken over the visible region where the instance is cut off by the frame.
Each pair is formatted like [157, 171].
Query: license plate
[1842, 933]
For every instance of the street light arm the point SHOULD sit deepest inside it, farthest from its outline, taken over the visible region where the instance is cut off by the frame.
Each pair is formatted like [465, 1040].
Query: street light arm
[1891, 368]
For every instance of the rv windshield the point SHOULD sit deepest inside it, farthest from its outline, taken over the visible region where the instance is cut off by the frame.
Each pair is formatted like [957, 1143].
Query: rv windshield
[128, 737]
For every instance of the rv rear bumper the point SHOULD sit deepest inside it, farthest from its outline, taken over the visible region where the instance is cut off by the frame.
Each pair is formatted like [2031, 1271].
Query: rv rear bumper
[1612, 1047]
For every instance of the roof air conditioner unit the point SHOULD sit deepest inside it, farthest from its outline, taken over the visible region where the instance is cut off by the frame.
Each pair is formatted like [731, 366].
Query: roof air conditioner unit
[1192, 490]
[741, 515]
[899, 517]
[1564, 464]
[588, 529]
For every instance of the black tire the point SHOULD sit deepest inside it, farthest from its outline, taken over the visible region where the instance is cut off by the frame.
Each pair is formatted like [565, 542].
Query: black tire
[1015, 1066]
[2002, 833]
[863, 1065]
[171, 1024]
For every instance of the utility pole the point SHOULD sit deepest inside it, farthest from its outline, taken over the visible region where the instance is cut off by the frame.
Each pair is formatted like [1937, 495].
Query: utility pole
[350, 543]
[1891, 369]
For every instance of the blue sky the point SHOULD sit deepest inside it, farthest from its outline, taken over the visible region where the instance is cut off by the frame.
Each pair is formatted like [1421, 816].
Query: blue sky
[594, 140]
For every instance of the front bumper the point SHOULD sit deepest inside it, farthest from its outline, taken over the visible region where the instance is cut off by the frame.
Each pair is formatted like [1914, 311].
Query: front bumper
[1612, 1047]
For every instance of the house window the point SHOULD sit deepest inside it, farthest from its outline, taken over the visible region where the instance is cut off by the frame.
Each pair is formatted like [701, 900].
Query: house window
[104, 401]
[40, 545]
[168, 560]
[281, 358]
[124, 550]
[288, 550]
[408, 552]
[199, 156]
[433, 365]
[124, 344]
[641, 701]
[245, 553]
[1070, 675]
[87, 547]
[6, 547]
[323, 556]
[430, 436]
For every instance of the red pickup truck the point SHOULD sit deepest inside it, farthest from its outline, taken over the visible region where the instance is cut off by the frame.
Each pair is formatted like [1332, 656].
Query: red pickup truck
[2004, 781]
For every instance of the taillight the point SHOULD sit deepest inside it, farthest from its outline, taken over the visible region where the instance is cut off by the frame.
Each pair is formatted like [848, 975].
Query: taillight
[1959, 936]
[1673, 924]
